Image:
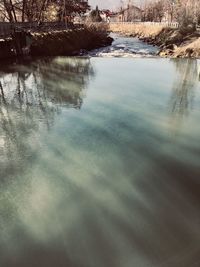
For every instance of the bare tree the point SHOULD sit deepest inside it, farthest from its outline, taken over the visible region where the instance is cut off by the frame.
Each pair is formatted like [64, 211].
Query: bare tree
[154, 11]
[35, 10]
[183, 11]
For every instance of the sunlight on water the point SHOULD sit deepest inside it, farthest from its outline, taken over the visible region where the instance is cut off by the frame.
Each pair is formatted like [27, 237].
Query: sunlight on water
[99, 163]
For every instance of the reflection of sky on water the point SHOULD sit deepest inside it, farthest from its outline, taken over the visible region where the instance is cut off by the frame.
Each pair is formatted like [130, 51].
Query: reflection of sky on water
[108, 184]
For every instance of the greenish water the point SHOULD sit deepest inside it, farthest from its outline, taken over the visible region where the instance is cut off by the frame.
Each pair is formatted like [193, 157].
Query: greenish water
[100, 163]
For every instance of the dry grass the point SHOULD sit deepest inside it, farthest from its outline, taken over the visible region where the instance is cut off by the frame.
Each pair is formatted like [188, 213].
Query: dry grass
[136, 29]
[189, 50]
[98, 27]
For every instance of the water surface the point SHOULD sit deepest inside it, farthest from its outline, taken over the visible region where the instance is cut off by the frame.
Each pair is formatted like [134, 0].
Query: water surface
[100, 163]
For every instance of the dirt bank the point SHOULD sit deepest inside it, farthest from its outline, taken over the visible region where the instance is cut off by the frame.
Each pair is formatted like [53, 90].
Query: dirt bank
[172, 42]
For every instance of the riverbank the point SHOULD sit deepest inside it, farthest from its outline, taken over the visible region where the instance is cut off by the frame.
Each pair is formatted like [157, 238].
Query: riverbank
[173, 43]
[58, 43]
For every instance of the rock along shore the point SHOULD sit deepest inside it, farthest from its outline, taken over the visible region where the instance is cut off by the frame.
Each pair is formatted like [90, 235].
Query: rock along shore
[174, 43]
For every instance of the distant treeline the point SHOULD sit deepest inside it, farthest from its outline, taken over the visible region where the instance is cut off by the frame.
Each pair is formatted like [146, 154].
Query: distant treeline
[182, 11]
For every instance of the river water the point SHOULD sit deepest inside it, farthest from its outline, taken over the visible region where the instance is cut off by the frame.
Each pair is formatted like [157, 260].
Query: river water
[100, 163]
[125, 47]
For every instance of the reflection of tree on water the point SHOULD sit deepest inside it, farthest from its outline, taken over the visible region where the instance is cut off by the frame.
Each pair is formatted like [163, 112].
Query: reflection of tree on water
[29, 99]
[181, 100]
[182, 94]
[54, 76]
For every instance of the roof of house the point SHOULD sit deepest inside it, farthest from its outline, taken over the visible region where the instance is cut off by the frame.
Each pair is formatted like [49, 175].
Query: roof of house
[130, 7]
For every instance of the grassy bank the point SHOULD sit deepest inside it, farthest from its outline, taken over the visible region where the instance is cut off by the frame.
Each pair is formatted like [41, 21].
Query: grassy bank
[172, 42]
[178, 43]
[139, 30]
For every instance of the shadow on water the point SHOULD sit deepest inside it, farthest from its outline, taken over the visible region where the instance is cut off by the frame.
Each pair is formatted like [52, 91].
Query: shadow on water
[30, 97]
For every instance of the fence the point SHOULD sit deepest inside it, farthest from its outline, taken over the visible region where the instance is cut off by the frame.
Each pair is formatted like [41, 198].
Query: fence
[166, 24]
[7, 28]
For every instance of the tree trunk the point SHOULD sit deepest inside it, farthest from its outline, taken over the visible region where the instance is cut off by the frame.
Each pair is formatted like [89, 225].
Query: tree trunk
[23, 10]
[13, 11]
[8, 10]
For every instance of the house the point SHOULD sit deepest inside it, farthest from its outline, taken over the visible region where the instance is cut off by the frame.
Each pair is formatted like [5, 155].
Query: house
[105, 15]
[129, 14]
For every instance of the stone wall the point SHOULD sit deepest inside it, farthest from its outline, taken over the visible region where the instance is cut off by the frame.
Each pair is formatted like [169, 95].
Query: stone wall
[57, 43]
[68, 42]
[5, 49]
